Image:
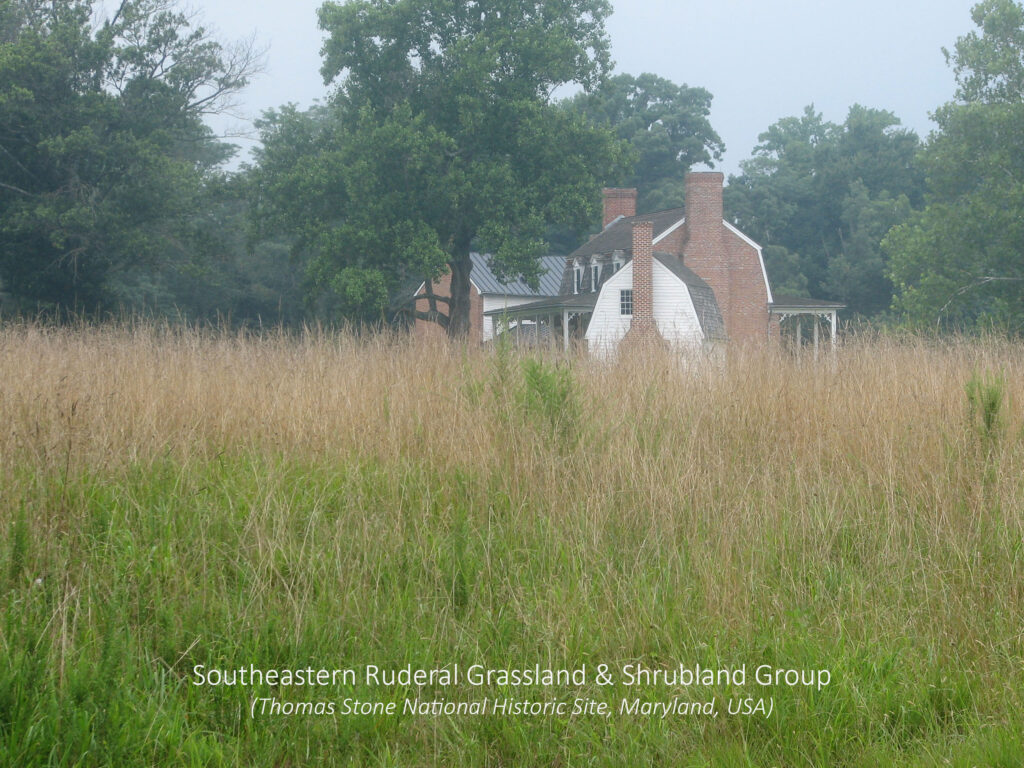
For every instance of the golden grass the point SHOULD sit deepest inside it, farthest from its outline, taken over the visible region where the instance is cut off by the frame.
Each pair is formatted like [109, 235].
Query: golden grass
[747, 437]
[856, 500]
[125, 393]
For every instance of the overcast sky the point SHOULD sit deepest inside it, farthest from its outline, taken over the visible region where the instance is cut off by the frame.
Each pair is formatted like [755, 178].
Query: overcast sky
[761, 59]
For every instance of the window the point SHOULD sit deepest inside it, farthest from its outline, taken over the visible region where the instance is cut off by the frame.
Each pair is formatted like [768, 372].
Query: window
[595, 276]
[626, 301]
[577, 279]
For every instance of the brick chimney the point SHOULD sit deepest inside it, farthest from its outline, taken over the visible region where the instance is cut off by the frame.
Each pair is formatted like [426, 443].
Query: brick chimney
[704, 246]
[642, 326]
[617, 202]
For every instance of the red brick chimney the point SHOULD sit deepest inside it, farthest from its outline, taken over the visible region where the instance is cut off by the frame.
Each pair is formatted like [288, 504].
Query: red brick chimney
[704, 246]
[642, 326]
[618, 202]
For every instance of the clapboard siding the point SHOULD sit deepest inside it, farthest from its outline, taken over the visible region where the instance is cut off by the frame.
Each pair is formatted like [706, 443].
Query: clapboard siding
[674, 313]
[607, 326]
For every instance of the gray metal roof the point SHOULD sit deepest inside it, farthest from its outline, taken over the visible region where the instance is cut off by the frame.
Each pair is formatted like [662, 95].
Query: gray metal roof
[488, 283]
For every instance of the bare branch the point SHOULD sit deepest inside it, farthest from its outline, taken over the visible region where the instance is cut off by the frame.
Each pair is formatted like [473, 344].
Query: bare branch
[19, 190]
[431, 297]
[432, 317]
[976, 284]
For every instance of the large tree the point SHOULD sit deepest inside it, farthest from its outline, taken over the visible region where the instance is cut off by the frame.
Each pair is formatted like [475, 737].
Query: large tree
[445, 138]
[821, 196]
[960, 262]
[667, 127]
[103, 152]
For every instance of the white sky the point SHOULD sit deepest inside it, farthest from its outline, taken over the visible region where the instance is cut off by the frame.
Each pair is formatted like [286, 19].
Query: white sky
[761, 59]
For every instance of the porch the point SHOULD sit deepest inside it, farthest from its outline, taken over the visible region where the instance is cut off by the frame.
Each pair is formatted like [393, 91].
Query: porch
[553, 322]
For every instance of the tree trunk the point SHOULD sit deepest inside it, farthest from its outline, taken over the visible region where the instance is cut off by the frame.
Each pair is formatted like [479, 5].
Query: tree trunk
[458, 310]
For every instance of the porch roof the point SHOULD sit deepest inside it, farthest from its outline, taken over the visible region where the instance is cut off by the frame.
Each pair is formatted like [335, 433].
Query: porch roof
[800, 305]
[583, 302]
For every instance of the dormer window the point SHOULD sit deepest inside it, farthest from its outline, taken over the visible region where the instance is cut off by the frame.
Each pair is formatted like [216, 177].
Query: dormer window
[595, 276]
[618, 260]
[577, 273]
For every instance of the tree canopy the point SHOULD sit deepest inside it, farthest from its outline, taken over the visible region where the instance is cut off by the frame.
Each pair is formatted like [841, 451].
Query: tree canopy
[820, 197]
[958, 262]
[667, 127]
[103, 152]
[442, 136]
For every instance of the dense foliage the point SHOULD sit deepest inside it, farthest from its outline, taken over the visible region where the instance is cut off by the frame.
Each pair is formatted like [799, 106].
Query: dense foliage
[443, 134]
[441, 137]
[821, 197]
[104, 156]
[959, 262]
[668, 129]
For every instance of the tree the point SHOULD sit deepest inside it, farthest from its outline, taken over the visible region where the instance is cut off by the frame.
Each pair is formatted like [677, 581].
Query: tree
[102, 145]
[667, 127]
[216, 273]
[821, 197]
[446, 138]
[958, 262]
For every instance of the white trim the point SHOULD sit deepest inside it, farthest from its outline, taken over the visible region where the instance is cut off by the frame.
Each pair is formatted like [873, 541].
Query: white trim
[622, 302]
[760, 256]
[416, 293]
[668, 231]
[666, 314]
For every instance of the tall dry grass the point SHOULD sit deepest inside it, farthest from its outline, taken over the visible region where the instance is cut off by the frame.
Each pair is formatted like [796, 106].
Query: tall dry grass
[128, 393]
[858, 513]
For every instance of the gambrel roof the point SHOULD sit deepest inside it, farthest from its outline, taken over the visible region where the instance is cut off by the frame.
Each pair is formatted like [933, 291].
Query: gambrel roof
[618, 235]
[704, 302]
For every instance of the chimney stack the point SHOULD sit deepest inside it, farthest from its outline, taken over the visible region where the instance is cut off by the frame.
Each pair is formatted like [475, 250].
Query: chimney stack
[618, 202]
[704, 249]
[642, 326]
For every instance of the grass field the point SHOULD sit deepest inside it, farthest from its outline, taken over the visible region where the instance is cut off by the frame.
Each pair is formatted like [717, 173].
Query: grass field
[176, 498]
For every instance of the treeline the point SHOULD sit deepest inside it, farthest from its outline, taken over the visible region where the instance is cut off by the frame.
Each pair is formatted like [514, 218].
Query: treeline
[441, 136]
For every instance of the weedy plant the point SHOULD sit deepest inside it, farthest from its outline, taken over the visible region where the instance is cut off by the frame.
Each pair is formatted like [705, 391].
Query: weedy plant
[548, 397]
[986, 400]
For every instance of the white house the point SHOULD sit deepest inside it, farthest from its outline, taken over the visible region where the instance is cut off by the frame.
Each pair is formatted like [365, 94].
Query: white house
[684, 276]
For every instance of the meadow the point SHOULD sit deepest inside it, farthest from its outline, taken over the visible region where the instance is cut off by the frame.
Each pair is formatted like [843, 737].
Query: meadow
[179, 498]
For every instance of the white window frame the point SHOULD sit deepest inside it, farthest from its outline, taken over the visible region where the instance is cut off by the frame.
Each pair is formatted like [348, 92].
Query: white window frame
[626, 299]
